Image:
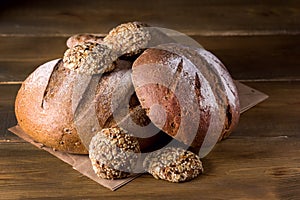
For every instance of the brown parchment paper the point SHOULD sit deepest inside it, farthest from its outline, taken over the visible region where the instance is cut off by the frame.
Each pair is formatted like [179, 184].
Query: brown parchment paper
[249, 97]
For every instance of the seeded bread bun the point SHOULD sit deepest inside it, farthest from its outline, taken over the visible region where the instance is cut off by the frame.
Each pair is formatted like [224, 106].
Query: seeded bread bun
[114, 153]
[80, 39]
[173, 164]
[194, 91]
[133, 37]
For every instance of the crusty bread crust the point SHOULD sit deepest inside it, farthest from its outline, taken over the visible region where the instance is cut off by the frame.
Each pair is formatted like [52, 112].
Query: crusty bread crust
[43, 108]
[193, 87]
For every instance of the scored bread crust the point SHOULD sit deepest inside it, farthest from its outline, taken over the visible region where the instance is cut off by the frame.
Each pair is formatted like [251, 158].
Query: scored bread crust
[219, 78]
[43, 108]
[173, 64]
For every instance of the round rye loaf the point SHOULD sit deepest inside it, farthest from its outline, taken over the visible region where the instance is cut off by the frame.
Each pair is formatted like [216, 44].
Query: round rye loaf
[188, 93]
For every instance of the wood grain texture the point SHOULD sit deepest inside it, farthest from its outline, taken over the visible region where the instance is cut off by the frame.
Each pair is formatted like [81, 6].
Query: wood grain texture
[24, 49]
[260, 57]
[204, 17]
[246, 57]
[7, 114]
[236, 169]
[8, 94]
[278, 116]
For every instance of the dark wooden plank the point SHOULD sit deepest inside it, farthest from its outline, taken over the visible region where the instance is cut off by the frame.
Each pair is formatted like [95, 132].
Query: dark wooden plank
[17, 71]
[191, 16]
[8, 93]
[24, 49]
[251, 168]
[247, 58]
[260, 57]
[8, 119]
[278, 116]
[7, 115]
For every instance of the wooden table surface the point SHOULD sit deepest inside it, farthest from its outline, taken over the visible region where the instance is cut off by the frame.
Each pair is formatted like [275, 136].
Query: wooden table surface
[259, 43]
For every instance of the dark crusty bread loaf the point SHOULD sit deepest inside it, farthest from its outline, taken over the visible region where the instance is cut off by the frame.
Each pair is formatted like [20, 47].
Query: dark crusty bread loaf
[219, 79]
[193, 88]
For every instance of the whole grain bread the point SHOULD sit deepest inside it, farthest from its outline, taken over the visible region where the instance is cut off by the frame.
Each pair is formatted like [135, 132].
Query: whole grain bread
[195, 93]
